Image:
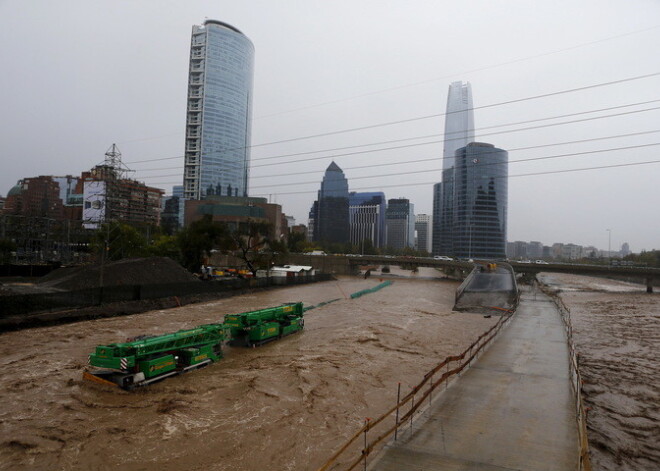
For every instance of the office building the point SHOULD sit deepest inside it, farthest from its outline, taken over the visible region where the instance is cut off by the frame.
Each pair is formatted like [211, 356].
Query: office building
[423, 231]
[480, 202]
[367, 218]
[400, 222]
[329, 215]
[459, 131]
[219, 112]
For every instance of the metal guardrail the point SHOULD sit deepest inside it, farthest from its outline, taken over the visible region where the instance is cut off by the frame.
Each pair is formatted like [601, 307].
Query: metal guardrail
[419, 392]
[584, 463]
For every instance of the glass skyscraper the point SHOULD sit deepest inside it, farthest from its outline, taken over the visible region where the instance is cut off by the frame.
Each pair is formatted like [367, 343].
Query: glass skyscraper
[459, 131]
[219, 112]
[330, 212]
[459, 121]
[480, 201]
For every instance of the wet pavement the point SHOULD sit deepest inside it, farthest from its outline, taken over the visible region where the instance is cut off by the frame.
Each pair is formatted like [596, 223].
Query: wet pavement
[512, 410]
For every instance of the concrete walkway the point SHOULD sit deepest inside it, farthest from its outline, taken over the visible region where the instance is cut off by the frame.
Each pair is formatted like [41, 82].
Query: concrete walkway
[512, 410]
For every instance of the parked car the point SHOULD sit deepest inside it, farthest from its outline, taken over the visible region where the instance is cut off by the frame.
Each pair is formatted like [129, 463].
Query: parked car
[542, 262]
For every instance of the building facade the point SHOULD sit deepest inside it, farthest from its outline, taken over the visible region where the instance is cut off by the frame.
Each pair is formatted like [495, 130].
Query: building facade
[400, 222]
[481, 201]
[219, 112]
[423, 232]
[367, 218]
[330, 212]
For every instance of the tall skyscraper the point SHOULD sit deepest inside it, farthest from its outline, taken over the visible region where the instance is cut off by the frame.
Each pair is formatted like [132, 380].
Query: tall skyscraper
[219, 112]
[481, 199]
[459, 131]
[459, 121]
[400, 221]
[330, 212]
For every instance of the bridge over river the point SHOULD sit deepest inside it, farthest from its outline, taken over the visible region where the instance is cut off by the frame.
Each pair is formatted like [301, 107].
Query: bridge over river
[350, 264]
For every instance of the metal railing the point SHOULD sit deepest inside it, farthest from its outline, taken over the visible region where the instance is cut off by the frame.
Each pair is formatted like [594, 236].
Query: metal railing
[584, 463]
[416, 399]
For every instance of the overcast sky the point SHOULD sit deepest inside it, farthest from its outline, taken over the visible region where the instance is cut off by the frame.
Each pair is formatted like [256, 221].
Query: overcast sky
[78, 76]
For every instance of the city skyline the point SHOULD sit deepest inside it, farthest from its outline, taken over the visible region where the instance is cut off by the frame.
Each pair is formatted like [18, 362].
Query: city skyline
[82, 81]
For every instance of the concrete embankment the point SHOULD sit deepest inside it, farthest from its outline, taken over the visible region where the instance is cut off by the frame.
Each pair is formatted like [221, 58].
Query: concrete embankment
[513, 409]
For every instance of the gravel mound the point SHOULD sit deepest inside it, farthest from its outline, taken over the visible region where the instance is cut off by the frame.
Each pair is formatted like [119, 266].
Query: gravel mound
[134, 271]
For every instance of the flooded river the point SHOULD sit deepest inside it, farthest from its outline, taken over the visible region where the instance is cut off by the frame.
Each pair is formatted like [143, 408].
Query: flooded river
[617, 334]
[284, 406]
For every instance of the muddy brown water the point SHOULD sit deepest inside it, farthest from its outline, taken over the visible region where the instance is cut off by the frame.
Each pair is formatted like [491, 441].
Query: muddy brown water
[284, 406]
[617, 334]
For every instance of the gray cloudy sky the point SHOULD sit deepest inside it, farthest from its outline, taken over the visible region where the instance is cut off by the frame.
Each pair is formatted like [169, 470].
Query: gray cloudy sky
[77, 76]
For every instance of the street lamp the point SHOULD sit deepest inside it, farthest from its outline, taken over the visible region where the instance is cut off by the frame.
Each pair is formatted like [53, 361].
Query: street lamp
[609, 247]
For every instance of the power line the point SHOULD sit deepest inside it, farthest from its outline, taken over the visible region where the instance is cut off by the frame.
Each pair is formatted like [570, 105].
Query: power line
[436, 158]
[486, 164]
[630, 164]
[418, 118]
[460, 132]
[480, 69]
[487, 134]
[435, 135]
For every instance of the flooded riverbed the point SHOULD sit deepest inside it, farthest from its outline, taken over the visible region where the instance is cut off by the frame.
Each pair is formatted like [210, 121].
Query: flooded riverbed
[284, 406]
[617, 334]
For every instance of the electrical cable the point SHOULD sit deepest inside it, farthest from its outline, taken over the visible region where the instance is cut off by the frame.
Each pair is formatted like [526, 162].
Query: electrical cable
[418, 118]
[630, 164]
[436, 159]
[485, 164]
[435, 135]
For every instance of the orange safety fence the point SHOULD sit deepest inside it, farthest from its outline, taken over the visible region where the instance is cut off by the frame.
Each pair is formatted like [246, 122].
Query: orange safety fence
[584, 463]
[468, 355]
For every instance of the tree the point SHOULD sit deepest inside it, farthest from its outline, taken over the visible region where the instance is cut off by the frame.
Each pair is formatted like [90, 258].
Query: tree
[117, 240]
[296, 242]
[7, 246]
[197, 240]
[254, 244]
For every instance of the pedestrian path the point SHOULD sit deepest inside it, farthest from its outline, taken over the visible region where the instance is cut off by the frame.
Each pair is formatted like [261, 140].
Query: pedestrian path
[513, 409]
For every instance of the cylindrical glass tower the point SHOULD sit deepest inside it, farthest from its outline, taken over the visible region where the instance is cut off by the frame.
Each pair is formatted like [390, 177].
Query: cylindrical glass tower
[219, 112]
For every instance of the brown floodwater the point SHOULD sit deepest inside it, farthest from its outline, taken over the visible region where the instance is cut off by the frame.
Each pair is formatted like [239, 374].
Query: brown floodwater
[284, 406]
[617, 334]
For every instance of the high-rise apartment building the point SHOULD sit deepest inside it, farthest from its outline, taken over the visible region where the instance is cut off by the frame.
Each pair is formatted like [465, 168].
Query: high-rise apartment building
[480, 201]
[400, 221]
[459, 131]
[219, 112]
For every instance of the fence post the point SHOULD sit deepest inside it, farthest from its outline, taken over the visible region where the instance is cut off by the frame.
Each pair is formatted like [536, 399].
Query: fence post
[412, 406]
[430, 390]
[398, 400]
[365, 452]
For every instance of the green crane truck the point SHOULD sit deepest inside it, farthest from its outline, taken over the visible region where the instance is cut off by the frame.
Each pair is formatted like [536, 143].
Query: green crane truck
[143, 360]
[258, 327]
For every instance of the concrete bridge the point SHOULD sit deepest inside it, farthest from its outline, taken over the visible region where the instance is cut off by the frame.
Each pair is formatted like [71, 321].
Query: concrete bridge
[350, 264]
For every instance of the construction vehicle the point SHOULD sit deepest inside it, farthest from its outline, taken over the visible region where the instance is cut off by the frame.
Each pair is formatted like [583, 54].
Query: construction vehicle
[258, 327]
[146, 359]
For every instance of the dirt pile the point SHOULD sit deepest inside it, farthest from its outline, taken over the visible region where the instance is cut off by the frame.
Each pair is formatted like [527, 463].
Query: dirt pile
[135, 271]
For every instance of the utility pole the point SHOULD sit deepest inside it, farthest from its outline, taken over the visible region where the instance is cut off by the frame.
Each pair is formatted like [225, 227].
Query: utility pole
[609, 247]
